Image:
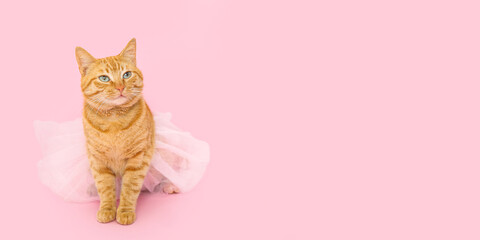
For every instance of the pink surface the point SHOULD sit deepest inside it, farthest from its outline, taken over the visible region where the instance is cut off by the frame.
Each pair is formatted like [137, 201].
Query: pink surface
[342, 120]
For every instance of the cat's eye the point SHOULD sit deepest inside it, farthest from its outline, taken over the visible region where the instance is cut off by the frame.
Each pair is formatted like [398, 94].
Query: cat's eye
[104, 78]
[127, 75]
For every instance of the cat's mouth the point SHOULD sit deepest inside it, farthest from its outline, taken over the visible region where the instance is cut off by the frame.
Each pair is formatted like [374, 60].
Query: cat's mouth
[119, 100]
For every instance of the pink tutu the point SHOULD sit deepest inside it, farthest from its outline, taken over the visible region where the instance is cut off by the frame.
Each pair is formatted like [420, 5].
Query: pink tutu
[179, 158]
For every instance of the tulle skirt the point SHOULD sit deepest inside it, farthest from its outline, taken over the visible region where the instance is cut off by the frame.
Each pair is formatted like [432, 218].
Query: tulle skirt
[179, 158]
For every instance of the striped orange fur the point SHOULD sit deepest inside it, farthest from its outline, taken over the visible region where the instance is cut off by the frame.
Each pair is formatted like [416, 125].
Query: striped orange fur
[119, 130]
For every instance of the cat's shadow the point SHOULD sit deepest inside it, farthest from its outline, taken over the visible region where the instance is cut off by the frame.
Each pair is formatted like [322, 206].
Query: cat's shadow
[152, 203]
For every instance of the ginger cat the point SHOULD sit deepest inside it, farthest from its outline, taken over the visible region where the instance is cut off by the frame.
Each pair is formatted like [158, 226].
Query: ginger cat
[119, 130]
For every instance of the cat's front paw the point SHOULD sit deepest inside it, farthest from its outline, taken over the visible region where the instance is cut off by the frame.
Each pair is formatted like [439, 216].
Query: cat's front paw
[105, 215]
[125, 218]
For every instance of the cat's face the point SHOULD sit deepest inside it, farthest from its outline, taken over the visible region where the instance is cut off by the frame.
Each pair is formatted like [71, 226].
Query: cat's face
[111, 81]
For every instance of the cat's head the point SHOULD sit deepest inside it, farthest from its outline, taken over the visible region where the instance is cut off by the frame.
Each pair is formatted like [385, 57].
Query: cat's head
[112, 81]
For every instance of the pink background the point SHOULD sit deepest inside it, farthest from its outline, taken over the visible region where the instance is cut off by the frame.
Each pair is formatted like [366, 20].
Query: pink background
[340, 120]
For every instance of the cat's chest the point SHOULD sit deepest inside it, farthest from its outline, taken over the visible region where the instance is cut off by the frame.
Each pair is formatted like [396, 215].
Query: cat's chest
[116, 148]
[113, 146]
[115, 152]
[116, 139]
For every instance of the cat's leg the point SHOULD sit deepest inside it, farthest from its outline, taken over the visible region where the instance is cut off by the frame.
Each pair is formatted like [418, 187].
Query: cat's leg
[105, 184]
[132, 181]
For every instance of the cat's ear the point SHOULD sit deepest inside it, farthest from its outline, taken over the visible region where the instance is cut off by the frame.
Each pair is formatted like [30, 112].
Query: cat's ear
[129, 52]
[84, 59]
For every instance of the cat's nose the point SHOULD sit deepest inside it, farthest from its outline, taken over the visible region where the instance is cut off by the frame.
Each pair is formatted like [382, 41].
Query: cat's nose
[120, 88]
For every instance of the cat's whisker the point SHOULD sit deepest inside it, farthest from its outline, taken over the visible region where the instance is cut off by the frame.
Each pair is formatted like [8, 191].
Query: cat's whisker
[94, 101]
[99, 107]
